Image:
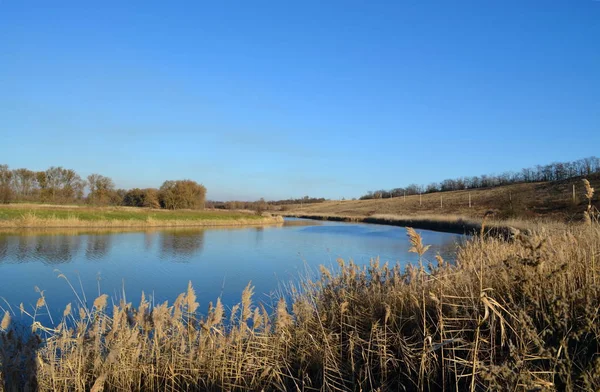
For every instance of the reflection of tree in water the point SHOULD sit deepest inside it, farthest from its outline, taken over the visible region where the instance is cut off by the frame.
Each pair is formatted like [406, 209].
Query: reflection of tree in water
[3, 246]
[260, 231]
[25, 247]
[98, 246]
[149, 237]
[181, 244]
[50, 249]
[13, 248]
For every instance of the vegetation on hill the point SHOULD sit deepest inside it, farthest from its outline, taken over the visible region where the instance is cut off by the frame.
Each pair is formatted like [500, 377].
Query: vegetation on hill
[58, 185]
[558, 200]
[262, 204]
[556, 171]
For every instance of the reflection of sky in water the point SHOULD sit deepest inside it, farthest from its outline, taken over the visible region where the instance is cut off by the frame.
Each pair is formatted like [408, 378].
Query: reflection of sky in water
[217, 261]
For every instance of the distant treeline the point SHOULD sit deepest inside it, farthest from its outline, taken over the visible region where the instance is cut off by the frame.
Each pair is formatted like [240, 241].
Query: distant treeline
[553, 172]
[64, 186]
[262, 204]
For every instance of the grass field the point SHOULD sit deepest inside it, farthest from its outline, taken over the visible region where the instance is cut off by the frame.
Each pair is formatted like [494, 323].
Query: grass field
[20, 216]
[553, 200]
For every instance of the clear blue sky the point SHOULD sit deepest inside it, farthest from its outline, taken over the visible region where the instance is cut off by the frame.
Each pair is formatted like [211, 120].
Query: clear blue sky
[282, 99]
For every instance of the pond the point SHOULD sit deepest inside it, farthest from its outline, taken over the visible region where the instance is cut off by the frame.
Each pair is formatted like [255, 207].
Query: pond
[218, 261]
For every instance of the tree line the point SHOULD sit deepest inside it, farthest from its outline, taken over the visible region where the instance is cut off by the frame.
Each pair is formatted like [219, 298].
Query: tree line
[261, 203]
[64, 186]
[555, 171]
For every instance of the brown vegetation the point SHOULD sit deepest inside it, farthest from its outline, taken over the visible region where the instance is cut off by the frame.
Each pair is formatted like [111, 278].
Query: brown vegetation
[506, 315]
[142, 198]
[102, 191]
[5, 181]
[261, 204]
[64, 186]
[187, 194]
[552, 200]
[556, 171]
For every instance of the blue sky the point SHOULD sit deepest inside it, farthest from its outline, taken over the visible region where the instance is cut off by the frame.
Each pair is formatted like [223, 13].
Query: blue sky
[284, 99]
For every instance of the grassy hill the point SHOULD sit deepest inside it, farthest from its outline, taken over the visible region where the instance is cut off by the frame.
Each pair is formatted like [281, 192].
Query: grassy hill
[530, 200]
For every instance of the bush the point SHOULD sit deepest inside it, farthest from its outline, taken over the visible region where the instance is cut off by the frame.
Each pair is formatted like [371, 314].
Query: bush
[142, 198]
[182, 194]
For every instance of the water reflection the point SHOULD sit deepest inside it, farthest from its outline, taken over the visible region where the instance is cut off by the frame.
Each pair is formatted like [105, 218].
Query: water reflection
[181, 245]
[218, 261]
[149, 240]
[3, 248]
[62, 246]
[98, 246]
[260, 232]
[50, 249]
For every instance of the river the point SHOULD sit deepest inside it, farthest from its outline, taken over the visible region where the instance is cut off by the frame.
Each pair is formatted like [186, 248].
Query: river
[218, 261]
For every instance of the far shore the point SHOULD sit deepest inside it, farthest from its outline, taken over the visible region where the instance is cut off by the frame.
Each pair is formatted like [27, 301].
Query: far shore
[442, 223]
[15, 216]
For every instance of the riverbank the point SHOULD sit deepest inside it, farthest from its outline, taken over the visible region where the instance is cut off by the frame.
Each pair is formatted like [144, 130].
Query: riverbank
[443, 223]
[448, 224]
[505, 316]
[46, 216]
[547, 200]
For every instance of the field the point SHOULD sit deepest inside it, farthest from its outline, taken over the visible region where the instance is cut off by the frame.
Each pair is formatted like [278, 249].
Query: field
[553, 200]
[47, 216]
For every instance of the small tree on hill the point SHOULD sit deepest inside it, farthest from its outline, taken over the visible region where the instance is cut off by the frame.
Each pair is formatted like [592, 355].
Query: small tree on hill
[182, 194]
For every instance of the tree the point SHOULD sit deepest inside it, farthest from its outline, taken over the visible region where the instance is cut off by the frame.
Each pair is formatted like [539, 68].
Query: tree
[433, 187]
[182, 194]
[260, 206]
[5, 184]
[142, 198]
[71, 185]
[151, 198]
[53, 182]
[60, 185]
[24, 183]
[102, 189]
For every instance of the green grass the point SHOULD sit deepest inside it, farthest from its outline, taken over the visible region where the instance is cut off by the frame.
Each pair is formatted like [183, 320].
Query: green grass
[110, 214]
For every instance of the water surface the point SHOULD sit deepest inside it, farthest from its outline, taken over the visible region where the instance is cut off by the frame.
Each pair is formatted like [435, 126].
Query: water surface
[218, 261]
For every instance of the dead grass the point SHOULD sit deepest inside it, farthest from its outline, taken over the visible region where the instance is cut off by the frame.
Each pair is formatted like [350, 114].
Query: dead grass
[521, 201]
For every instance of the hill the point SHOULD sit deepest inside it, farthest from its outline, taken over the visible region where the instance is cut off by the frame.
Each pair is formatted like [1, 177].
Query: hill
[527, 200]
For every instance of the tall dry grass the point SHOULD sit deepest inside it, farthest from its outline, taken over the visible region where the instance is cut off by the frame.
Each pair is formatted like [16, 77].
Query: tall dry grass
[507, 315]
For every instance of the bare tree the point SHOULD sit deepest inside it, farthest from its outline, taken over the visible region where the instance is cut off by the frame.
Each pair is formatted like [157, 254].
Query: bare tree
[555, 171]
[6, 177]
[102, 189]
[24, 183]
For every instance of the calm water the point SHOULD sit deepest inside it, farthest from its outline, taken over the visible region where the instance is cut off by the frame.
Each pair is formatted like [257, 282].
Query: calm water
[219, 262]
